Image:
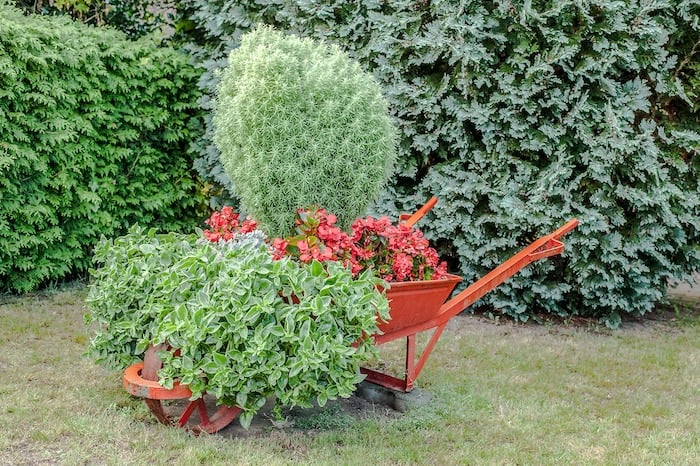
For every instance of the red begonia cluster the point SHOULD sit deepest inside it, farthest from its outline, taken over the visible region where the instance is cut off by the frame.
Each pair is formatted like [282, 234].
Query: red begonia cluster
[397, 252]
[394, 252]
[225, 225]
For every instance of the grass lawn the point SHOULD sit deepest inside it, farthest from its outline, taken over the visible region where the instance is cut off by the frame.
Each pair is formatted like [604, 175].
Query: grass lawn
[499, 394]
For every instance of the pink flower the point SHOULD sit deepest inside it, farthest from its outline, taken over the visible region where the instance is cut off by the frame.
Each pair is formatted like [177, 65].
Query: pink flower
[248, 226]
[224, 225]
[393, 252]
[402, 266]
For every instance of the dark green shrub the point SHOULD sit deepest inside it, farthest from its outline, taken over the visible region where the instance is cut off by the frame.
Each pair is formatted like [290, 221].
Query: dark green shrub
[567, 124]
[135, 18]
[298, 123]
[519, 115]
[94, 133]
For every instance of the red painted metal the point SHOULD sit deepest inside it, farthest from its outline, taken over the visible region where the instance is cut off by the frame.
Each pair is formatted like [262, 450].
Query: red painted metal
[412, 301]
[141, 380]
[412, 219]
[413, 316]
[144, 388]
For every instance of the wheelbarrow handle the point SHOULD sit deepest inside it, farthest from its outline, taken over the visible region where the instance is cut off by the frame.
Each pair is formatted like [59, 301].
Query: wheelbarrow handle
[552, 246]
[564, 229]
[545, 246]
[410, 220]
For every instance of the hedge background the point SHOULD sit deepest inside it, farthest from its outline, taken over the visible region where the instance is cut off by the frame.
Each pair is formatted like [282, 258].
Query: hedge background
[520, 115]
[94, 136]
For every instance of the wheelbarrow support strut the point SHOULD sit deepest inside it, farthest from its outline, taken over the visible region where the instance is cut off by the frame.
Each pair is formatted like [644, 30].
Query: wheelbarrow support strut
[545, 246]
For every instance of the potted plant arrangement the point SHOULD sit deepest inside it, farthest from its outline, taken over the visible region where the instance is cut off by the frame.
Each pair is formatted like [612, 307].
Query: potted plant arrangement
[238, 324]
[418, 282]
[283, 306]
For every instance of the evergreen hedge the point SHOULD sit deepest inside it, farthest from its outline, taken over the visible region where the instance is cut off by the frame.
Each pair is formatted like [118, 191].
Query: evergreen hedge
[520, 115]
[94, 133]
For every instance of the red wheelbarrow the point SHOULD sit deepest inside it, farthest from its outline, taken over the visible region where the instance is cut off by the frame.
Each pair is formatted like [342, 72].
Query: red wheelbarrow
[420, 306]
[415, 307]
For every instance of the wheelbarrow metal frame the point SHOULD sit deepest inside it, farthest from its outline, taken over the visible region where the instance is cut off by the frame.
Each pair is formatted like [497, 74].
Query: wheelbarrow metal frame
[546, 246]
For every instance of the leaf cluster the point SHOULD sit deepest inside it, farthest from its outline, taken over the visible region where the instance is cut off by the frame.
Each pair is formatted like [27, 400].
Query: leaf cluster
[245, 326]
[519, 115]
[94, 135]
[135, 18]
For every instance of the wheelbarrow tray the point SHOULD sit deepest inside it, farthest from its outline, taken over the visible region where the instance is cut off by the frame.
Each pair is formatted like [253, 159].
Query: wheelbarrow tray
[414, 308]
[415, 302]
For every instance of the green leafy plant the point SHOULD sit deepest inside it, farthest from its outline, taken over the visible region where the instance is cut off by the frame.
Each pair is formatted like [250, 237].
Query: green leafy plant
[519, 115]
[135, 18]
[94, 137]
[299, 123]
[245, 326]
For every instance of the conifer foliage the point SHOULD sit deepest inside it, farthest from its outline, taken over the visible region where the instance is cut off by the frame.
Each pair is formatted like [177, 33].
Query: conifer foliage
[93, 138]
[519, 115]
[299, 124]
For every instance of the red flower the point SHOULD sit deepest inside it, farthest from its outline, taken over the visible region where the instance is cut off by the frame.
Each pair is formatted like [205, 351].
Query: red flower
[393, 252]
[225, 225]
[402, 266]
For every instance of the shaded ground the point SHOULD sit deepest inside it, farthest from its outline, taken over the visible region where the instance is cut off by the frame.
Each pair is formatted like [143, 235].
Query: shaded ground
[370, 402]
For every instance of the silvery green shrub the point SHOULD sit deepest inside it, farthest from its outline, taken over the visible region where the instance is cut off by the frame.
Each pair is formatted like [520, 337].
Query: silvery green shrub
[519, 115]
[299, 123]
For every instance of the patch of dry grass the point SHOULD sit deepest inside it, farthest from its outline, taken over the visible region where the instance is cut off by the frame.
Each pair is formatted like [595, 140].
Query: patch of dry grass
[500, 394]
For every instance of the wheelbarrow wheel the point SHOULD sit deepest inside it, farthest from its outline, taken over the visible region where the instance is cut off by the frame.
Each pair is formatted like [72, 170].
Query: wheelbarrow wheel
[173, 407]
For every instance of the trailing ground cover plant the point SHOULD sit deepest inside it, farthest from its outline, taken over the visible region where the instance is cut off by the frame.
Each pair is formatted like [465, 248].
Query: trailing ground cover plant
[299, 123]
[519, 115]
[246, 326]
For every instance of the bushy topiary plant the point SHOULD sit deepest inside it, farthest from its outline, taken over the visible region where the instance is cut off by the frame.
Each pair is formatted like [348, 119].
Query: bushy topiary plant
[299, 123]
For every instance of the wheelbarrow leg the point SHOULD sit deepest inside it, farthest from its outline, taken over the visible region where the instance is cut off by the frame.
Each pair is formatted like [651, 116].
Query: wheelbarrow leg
[410, 375]
[142, 380]
[413, 367]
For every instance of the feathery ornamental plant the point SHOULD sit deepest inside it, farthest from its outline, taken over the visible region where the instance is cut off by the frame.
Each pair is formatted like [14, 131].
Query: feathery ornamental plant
[299, 123]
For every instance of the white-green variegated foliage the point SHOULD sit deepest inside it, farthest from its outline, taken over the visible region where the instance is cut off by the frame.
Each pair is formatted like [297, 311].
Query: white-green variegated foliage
[242, 326]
